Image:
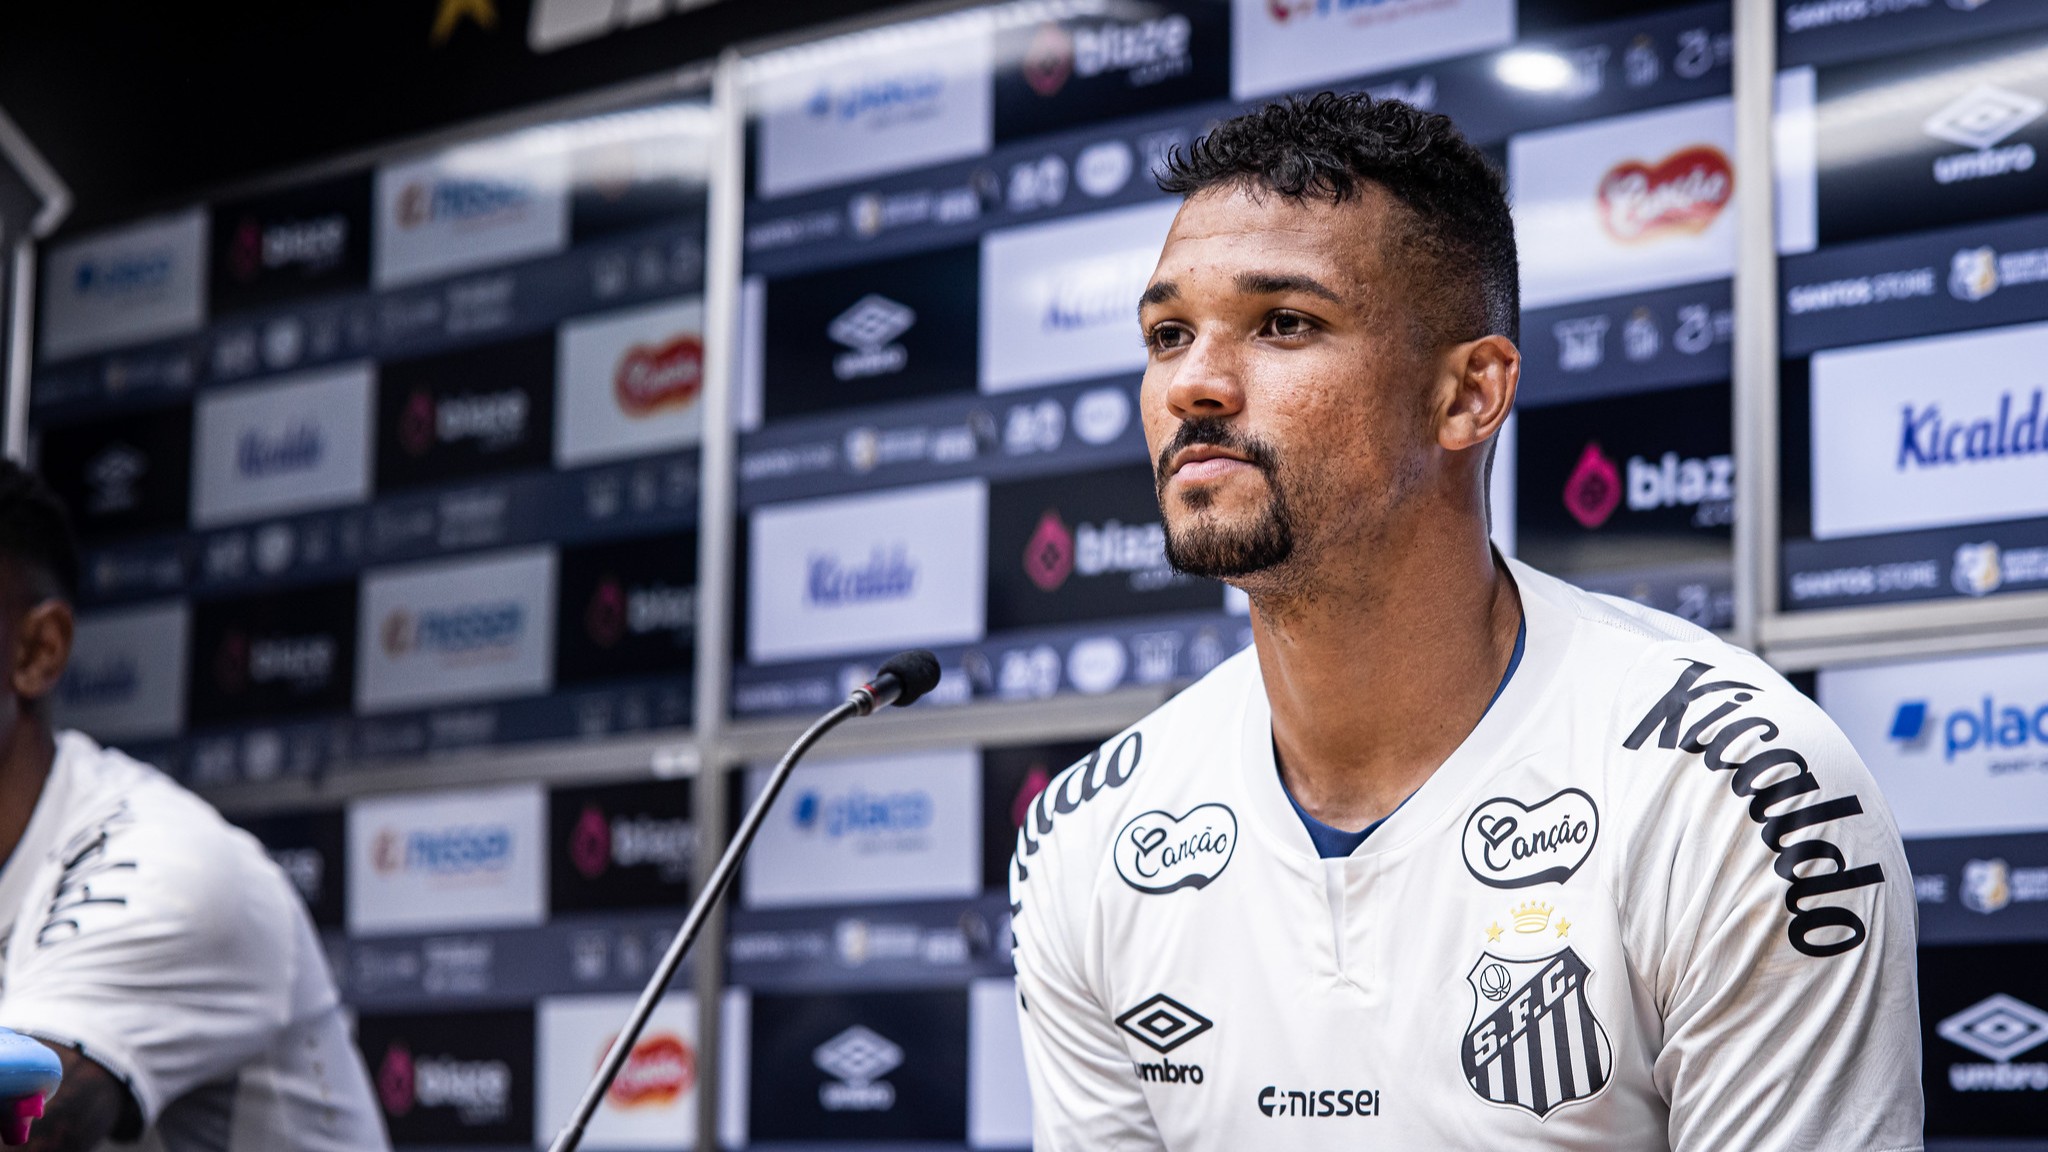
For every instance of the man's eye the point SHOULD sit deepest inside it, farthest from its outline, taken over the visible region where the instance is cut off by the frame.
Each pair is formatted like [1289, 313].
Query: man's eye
[1288, 324]
[1168, 336]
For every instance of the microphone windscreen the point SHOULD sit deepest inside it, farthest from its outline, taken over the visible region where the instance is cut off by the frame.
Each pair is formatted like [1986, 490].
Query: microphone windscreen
[917, 669]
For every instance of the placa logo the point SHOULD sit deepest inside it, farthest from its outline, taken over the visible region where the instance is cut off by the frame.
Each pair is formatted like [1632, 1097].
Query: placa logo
[880, 102]
[313, 245]
[126, 276]
[857, 1059]
[654, 378]
[1147, 52]
[113, 480]
[1980, 120]
[262, 453]
[1682, 194]
[886, 574]
[1508, 844]
[1158, 852]
[1991, 725]
[463, 203]
[870, 328]
[1998, 1027]
[1928, 440]
[661, 1068]
[1593, 491]
[474, 633]
[450, 851]
[872, 816]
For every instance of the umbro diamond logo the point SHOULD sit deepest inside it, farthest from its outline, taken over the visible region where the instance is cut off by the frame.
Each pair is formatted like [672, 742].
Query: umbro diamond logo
[1983, 116]
[872, 322]
[1997, 1027]
[1163, 1023]
[859, 1055]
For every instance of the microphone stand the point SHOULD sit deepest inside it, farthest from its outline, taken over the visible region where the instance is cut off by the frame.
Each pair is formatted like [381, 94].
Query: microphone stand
[885, 689]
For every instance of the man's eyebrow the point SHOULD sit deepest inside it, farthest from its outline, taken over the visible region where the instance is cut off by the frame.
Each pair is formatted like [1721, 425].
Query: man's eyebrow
[1275, 283]
[1159, 293]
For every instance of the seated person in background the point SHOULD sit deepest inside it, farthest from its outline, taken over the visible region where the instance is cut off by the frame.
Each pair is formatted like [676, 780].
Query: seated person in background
[152, 945]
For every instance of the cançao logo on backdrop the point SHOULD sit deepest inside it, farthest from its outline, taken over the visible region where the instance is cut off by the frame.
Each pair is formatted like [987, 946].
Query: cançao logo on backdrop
[628, 382]
[1684, 192]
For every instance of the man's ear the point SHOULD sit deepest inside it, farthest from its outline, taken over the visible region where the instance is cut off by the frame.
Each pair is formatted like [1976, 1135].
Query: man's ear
[1480, 378]
[42, 647]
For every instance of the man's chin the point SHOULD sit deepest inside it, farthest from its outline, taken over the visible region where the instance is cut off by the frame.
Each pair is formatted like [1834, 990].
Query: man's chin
[1226, 551]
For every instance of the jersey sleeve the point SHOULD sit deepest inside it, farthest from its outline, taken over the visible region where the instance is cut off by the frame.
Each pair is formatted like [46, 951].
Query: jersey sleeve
[162, 954]
[1771, 907]
[1084, 1093]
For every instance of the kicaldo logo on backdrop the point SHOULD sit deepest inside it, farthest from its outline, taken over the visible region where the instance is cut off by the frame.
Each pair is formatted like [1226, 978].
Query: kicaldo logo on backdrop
[120, 287]
[1280, 45]
[1959, 747]
[627, 383]
[435, 861]
[922, 104]
[906, 827]
[468, 208]
[126, 679]
[652, 1104]
[1059, 301]
[1628, 204]
[450, 631]
[286, 445]
[1933, 432]
[860, 573]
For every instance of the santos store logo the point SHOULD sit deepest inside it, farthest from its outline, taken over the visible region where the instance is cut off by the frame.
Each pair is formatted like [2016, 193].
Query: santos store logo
[1980, 119]
[857, 1059]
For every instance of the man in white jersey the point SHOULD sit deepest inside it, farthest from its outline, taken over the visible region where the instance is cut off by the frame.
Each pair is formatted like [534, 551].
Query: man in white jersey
[154, 947]
[1456, 855]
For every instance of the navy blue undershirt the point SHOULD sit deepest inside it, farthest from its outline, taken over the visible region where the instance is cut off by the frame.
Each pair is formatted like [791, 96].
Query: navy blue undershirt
[1334, 843]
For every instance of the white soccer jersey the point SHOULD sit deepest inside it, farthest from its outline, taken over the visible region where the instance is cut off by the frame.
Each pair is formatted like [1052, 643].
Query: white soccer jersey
[1653, 901]
[143, 930]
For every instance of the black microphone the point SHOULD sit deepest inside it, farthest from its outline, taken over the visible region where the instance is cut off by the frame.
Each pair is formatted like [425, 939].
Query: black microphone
[900, 681]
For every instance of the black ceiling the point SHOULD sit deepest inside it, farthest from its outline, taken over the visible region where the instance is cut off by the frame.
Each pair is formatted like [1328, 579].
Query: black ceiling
[139, 105]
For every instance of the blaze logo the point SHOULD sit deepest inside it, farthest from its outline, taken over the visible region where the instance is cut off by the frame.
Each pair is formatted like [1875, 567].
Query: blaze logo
[653, 378]
[605, 619]
[1049, 554]
[590, 845]
[394, 1080]
[1594, 490]
[1684, 193]
[1050, 60]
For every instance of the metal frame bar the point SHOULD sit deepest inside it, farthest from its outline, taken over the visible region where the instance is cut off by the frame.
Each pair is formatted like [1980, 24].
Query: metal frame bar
[1755, 390]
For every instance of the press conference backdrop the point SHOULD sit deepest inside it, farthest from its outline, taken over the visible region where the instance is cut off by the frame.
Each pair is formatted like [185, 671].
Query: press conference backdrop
[402, 461]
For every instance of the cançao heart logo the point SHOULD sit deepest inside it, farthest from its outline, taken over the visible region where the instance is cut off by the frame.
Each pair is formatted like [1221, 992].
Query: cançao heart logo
[1509, 844]
[1158, 852]
[1684, 193]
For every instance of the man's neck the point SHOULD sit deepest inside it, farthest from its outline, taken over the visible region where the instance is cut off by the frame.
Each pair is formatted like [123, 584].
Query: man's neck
[1377, 676]
[27, 750]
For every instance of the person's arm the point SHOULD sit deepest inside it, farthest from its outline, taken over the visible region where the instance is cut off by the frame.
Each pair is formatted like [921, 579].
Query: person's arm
[1084, 1092]
[1775, 923]
[89, 1108]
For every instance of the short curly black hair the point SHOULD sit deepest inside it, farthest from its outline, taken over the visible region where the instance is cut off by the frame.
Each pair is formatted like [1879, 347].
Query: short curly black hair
[35, 533]
[1460, 242]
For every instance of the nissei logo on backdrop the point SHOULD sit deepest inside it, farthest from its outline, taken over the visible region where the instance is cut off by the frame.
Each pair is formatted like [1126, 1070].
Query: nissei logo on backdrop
[886, 573]
[1991, 725]
[478, 630]
[462, 202]
[298, 448]
[891, 820]
[1928, 440]
[453, 850]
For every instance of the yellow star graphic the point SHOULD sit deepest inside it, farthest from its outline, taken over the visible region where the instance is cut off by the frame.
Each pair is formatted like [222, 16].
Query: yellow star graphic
[1493, 933]
[1564, 927]
[484, 12]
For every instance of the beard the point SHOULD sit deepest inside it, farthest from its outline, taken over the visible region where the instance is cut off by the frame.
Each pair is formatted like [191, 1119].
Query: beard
[1205, 546]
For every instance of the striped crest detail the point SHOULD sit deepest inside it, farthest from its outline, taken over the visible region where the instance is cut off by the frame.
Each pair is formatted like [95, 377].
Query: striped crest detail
[1534, 1042]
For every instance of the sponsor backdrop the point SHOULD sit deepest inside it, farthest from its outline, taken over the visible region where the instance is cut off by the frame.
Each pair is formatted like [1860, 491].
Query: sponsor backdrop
[402, 460]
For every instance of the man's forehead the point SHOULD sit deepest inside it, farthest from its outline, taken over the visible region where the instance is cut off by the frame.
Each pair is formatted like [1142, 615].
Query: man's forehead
[1226, 230]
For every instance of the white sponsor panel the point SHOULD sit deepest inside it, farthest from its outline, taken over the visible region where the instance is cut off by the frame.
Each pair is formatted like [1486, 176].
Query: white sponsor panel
[123, 286]
[998, 1090]
[627, 383]
[285, 445]
[456, 630]
[1500, 496]
[126, 679]
[653, 1103]
[859, 573]
[735, 1022]
[1930, 432]
[1283, 45]
[1060, 301]
[901, 827]
[1626, 204]
[1796, 162]
[924, 101]
[475, 858]
[470, 207]
[1958, 746]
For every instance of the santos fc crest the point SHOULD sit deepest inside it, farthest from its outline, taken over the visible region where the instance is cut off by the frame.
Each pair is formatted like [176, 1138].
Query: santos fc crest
[1534, 1042]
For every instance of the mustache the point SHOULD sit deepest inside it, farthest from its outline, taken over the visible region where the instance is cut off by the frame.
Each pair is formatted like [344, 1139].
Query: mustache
[1215, 432]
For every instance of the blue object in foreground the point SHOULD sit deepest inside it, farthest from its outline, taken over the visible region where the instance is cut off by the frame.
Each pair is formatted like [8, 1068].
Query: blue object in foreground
[29, 1074]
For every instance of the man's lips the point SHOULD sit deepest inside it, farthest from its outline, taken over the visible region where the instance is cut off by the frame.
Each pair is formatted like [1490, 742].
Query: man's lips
[1206, 462]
